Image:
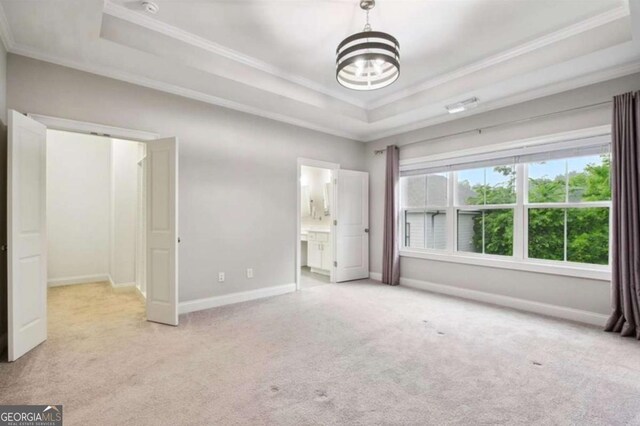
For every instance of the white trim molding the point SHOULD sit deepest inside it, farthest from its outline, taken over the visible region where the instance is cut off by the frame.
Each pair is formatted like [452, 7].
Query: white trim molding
[57, 123]
[622, 56]
[145, 21]
[80, 279]
[5, 31]
[173, 89]
[528, 47]
[142, 296]
[555, 311]
[587, 132]
[513, 99]
[230, 299]
[576, 270]
[123, 286]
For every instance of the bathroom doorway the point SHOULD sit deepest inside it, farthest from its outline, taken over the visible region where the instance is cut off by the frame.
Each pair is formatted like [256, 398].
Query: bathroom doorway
[316, 242]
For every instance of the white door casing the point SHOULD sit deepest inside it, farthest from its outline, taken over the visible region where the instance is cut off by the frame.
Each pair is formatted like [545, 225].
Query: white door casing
[352, 230]
[161, 174]
[26, 234]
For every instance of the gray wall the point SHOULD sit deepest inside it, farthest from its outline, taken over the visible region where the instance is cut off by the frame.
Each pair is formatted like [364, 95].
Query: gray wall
[589, 295]
[237, 184]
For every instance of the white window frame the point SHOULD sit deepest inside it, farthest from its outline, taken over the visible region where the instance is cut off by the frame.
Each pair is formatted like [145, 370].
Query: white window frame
[519, 260]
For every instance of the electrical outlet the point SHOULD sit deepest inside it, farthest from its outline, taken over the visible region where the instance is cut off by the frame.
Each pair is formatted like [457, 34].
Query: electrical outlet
[249, 272]
[220, 277]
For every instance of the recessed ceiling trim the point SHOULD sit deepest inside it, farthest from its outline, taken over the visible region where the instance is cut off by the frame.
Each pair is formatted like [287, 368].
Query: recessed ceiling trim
[374, 133]
[529, 95]
[528, 47]
[5, 30]
[176, 90]
[154, 24]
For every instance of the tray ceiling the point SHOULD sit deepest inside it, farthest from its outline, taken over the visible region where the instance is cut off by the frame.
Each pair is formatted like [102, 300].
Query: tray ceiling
[276, 58]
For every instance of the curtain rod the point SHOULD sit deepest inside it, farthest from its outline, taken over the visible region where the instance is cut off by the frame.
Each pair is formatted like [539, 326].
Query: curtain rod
[493, 126]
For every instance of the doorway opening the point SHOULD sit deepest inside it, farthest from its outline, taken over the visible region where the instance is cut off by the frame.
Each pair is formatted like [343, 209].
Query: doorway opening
[332, 244]
[95, 223]
[147, 220]
[316, 219]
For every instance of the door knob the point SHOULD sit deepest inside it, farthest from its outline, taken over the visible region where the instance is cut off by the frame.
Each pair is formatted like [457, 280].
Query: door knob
[366, 230]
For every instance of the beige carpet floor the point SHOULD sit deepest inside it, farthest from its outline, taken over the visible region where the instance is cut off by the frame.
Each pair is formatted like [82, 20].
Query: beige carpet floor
[358, 353]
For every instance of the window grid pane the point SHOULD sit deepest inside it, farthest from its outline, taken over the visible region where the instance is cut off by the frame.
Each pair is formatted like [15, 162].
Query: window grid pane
[488, 231]
[579, 235]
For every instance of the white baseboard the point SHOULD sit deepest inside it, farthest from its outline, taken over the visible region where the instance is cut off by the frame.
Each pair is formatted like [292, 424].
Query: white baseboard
[81, 279]
[123, 286]
[228, 299]
[556, 311]
[142, 296]
[376, 276]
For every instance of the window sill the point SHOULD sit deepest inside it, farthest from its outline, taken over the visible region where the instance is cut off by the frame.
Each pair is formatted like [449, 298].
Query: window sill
[600, 274]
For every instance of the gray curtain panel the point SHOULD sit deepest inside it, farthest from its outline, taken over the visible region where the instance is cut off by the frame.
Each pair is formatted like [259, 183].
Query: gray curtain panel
[391, 247]
[625, 183]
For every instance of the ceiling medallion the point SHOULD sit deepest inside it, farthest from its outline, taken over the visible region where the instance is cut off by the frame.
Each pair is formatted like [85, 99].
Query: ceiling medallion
[368, 60]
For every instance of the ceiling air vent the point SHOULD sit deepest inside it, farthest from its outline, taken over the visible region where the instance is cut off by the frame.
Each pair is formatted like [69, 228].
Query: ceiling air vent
[462, 105]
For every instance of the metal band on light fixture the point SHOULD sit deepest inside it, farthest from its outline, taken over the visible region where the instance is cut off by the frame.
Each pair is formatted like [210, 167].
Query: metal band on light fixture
[368, 60]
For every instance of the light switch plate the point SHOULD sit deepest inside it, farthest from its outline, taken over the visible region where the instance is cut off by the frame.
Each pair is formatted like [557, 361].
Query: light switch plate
[249, 272]
[220, 277]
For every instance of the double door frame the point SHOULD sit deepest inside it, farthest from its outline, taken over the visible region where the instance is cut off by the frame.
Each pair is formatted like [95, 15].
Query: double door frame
[82, 127]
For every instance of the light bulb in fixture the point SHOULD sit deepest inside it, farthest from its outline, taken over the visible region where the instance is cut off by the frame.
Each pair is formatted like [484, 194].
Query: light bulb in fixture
[360, 65]
[377, 66]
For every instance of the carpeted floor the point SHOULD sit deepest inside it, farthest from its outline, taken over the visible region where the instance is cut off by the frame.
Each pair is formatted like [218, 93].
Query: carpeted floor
[310, 279]
[357, 353]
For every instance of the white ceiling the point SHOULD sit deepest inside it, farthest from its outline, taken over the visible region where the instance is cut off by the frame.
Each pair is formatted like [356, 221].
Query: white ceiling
[276, 58]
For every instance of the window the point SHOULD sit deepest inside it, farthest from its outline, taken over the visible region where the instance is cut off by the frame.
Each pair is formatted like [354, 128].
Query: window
[424, 200]
[541, 205]
[485, 202]
[568, 209]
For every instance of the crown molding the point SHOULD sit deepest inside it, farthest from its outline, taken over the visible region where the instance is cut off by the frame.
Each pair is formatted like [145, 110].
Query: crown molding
[5, 31]
[374, 135]
[529, 95]
[528, 47]
[113, 73]
[548, 90]
[137, 18]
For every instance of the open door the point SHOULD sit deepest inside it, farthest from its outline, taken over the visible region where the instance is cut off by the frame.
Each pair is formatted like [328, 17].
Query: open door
[26, 234]
[352, 229]
[161, 173]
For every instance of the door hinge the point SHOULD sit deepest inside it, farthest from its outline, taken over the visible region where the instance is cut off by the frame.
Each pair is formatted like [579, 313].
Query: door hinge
[335, 263]
[335, 222]
[178, 240]
[3, 247]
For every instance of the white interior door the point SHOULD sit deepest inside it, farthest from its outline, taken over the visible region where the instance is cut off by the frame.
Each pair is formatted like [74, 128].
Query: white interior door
[161, 174]
[26, 234]
[352, 229]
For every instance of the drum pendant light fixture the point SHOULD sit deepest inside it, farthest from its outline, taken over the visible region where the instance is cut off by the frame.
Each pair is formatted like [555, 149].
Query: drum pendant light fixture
[368, 60]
